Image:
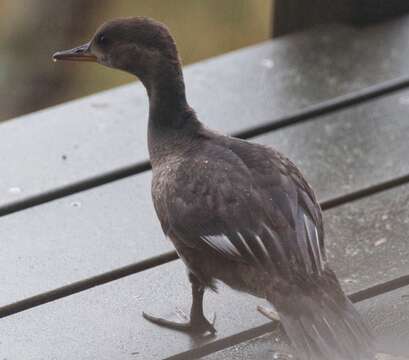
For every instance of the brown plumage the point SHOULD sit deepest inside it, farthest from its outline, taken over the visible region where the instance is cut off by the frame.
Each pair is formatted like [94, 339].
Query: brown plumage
[237, 212]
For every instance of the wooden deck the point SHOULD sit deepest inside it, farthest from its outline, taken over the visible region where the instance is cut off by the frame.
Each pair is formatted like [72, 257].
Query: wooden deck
[82, 251]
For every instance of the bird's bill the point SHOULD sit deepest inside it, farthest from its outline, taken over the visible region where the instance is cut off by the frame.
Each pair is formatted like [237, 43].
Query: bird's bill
[80, 53]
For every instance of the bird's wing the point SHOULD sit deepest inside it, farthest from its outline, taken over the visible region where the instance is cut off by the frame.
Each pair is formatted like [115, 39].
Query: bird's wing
[264, 215]
[289, 191]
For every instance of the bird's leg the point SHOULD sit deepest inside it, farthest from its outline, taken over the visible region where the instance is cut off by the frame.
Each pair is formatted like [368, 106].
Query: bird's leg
[197, 318]
[198, 324]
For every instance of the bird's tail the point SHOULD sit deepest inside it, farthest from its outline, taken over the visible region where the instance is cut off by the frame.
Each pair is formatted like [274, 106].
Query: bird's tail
[321, 321]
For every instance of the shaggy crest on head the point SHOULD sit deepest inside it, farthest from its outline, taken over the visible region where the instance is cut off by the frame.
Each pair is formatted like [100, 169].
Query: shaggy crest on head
[237, 212]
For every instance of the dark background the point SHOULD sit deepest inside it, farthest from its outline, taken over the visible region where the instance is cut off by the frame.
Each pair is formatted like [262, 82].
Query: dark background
[31, 30]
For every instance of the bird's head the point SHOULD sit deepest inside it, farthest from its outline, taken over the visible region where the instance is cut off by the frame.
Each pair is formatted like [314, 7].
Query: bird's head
[138, 45]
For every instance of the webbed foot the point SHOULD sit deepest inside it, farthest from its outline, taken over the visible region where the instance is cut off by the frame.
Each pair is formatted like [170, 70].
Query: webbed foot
[196, 325]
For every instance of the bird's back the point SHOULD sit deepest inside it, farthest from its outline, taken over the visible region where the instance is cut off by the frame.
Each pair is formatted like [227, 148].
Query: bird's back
[228, 187]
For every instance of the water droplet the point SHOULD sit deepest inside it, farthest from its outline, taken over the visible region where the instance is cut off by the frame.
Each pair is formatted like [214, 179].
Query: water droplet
[380, 242]
[76, 204]
[15, 190]
[99, 105]
[349, 281]
[268, 63]
[282, 356]
[404, 100]
[352, 252]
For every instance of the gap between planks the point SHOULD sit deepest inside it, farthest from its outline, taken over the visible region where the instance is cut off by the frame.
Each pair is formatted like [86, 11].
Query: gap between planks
[164, 258]
[306, 114]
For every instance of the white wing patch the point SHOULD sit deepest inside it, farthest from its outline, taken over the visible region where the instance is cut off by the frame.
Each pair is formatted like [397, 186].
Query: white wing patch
[248, 249]
[312, 239]
[276, 242]
[262, 246]
[256, 249]
[222, 244]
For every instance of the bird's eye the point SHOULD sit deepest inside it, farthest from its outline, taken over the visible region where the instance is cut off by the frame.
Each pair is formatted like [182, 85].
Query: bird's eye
[102, 40]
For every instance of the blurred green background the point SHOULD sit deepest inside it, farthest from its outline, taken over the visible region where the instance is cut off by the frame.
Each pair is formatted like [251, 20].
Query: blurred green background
[31, 30]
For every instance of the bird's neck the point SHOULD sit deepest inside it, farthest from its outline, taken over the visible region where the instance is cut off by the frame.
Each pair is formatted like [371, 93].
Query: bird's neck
[167, 98]
[171, 120]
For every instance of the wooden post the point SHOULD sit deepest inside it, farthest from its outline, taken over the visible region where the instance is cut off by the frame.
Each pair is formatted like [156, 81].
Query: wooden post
[295, 15]
[378, 10]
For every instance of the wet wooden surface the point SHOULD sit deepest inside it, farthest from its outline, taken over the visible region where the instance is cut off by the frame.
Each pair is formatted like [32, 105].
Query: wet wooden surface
[387, 314]
[355, 157]
[362, 251]
[111, 215]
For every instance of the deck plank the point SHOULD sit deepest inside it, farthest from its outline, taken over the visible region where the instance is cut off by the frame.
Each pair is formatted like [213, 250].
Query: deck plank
[387, 315]
[45, 152]
[106, 321]
[114, 225]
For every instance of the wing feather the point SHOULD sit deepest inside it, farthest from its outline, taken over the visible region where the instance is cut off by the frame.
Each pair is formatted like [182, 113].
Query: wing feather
[260, 212]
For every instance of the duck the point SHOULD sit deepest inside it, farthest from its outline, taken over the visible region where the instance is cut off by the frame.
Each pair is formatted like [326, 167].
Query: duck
[237, 212]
